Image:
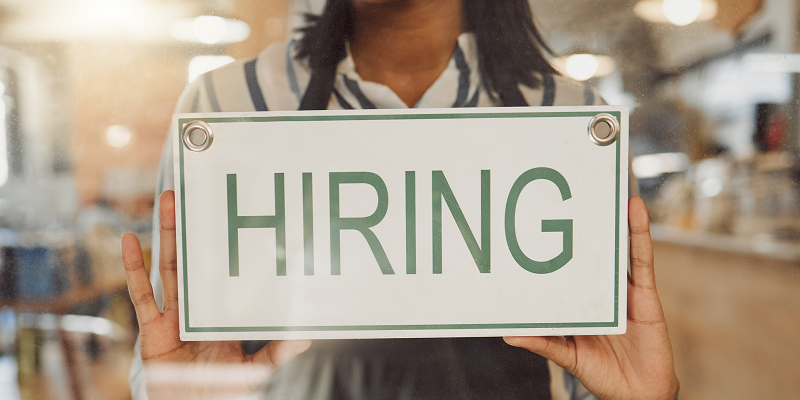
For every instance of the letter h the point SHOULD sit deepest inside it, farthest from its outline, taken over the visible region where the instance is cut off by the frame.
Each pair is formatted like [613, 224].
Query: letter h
[277, 221]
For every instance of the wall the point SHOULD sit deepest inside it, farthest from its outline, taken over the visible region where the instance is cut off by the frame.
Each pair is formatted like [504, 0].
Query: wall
[137, 85]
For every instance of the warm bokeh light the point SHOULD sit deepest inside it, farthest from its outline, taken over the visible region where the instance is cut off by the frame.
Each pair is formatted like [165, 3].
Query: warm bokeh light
[654, 165]
[209, 29]
[682, 12]
[118, 136]
[676, 12]
[582, 66]
[91, 20]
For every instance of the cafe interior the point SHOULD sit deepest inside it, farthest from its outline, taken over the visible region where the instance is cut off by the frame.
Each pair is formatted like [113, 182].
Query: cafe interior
[87, 92]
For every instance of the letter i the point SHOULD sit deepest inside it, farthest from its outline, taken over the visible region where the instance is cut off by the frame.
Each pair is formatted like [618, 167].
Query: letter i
[411, 223]
[308, 224]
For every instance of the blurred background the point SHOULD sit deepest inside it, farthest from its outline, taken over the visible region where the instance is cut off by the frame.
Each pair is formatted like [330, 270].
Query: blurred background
[87, 89]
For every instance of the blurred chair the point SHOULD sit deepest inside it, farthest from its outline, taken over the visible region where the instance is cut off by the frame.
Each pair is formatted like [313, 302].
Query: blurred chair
[45, 286]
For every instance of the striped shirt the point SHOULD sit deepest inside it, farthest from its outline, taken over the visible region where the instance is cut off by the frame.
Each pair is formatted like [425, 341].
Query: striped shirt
[276, 80]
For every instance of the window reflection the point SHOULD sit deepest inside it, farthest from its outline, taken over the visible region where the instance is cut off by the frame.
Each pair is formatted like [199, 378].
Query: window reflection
[3, 136]
[87, 90]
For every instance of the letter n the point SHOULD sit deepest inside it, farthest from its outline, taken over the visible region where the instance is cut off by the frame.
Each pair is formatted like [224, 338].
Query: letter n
[480, 253]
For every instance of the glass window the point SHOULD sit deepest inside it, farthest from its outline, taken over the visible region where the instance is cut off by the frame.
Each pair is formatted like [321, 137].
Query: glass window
[88, 89]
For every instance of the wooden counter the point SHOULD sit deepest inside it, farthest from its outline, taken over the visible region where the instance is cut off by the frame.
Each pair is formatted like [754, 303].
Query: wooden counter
[733, 309]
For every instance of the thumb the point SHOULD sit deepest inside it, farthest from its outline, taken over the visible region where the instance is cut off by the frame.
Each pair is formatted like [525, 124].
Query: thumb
[641, 246]
[558, 349]
[279, 352]
[643, 302]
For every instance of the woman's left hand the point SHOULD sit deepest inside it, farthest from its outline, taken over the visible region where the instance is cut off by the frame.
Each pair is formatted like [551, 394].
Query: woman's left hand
[636, 365]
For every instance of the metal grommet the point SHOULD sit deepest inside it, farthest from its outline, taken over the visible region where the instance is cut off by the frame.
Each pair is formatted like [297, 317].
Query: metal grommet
[603, 129]
[197, 136]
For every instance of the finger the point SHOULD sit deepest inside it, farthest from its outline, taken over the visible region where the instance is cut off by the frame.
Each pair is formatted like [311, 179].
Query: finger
[168, 257]
[558, 349]
[138, 282]
[642, 273]
[280, 352]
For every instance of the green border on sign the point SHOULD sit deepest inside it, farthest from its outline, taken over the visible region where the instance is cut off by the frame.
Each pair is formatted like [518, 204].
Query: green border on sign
[341, 328]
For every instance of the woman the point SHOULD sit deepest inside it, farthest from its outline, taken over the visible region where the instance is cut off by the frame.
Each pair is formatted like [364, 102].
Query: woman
[395, 54]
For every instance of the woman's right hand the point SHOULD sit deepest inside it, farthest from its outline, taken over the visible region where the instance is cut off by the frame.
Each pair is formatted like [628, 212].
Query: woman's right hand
[189, 370]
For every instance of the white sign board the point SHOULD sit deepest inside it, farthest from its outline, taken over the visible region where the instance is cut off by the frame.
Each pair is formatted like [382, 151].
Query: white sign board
[401, 223]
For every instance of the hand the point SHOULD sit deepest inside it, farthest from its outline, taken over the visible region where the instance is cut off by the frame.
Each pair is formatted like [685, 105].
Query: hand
[636, 365]
[196, 370]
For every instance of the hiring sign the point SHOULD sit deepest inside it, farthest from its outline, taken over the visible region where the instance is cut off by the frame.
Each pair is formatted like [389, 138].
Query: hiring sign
[402, 223]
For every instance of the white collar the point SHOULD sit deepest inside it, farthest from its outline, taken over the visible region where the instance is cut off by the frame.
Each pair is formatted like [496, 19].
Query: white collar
[456, 86]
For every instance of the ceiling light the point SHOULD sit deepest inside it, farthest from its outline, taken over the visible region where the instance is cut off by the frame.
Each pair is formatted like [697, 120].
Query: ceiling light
[92, 21]
[682, 12]
[584, 66]
[118, 136]
[653, 165]
[210, 29]
[676, 12]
